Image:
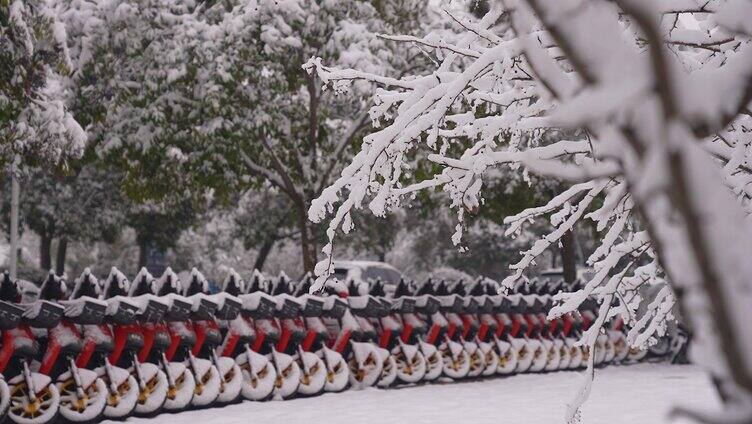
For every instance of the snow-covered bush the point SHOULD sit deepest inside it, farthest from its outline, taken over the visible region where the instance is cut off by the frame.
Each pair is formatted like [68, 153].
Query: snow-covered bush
[641, 106]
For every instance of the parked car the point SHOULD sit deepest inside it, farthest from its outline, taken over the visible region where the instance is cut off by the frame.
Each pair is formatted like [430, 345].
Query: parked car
[583, 274]
[346, 271]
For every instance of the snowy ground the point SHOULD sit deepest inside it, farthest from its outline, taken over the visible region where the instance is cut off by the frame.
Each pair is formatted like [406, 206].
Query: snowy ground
[629, 394]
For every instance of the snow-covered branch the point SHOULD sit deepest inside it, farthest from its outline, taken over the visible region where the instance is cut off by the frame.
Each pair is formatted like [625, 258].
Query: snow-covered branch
[657, 93]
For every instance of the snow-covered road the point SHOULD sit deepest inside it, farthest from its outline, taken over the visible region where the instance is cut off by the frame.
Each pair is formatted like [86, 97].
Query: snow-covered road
[628, 394]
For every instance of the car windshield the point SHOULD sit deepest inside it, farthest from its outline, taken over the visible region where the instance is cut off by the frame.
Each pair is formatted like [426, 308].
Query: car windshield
[386, 275]
[340, 274]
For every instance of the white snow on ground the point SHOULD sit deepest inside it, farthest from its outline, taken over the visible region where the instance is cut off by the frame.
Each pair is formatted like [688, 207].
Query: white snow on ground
[621, 395]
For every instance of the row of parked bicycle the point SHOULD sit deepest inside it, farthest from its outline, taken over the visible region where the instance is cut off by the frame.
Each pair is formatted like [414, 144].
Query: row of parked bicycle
[117, 347]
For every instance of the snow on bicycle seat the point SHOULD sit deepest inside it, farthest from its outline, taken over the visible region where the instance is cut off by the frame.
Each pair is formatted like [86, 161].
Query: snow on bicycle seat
[196, 290]
[287, 306]
[403, 304]
[120, 309]
[334, 307]
[10, 312]
[313, 306]
[84, 310]
[548, 303]
[470, 305]
[516, 303]
[539, 304]
[169, 289]
[151, 308]
[531, 302]
[502, 304]
[178, 307]
[228, 306]
[84, 307]
[42, 314]
[485, 304]
[10, 315]
[233, 284]
[258, 305]
[427, 304]
[450, 303]
[385, 306]
[203, 306]
[364, 306]
[498, 302]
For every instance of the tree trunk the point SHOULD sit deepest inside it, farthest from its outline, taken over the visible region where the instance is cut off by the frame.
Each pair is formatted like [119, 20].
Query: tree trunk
[384, 245]
[568, 257]
[143, 251]
[307, 239]
[313, 118]
[62, 250]
[45, 252]
[263, 253]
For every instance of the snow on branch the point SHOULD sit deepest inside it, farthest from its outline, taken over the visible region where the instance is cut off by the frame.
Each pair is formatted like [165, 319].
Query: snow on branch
[653, 96]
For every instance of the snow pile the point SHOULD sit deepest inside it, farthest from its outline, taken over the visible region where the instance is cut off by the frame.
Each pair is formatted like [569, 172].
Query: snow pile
[625, 395]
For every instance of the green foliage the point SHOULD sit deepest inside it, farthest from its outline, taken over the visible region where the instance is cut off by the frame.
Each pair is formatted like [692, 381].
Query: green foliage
[158, 227]
[81, 203]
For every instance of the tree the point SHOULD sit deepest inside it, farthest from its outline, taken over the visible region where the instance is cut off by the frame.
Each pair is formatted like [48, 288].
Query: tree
[35, 127]
[240, 235]
[263, 219]
[297, 135]
[377, 235]
[508, 192]
[231, 108]
[127, 57]
[655, 95]
[158, 225]
[425, 245]
[83, 204]
[34, 124]
[120, 62]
